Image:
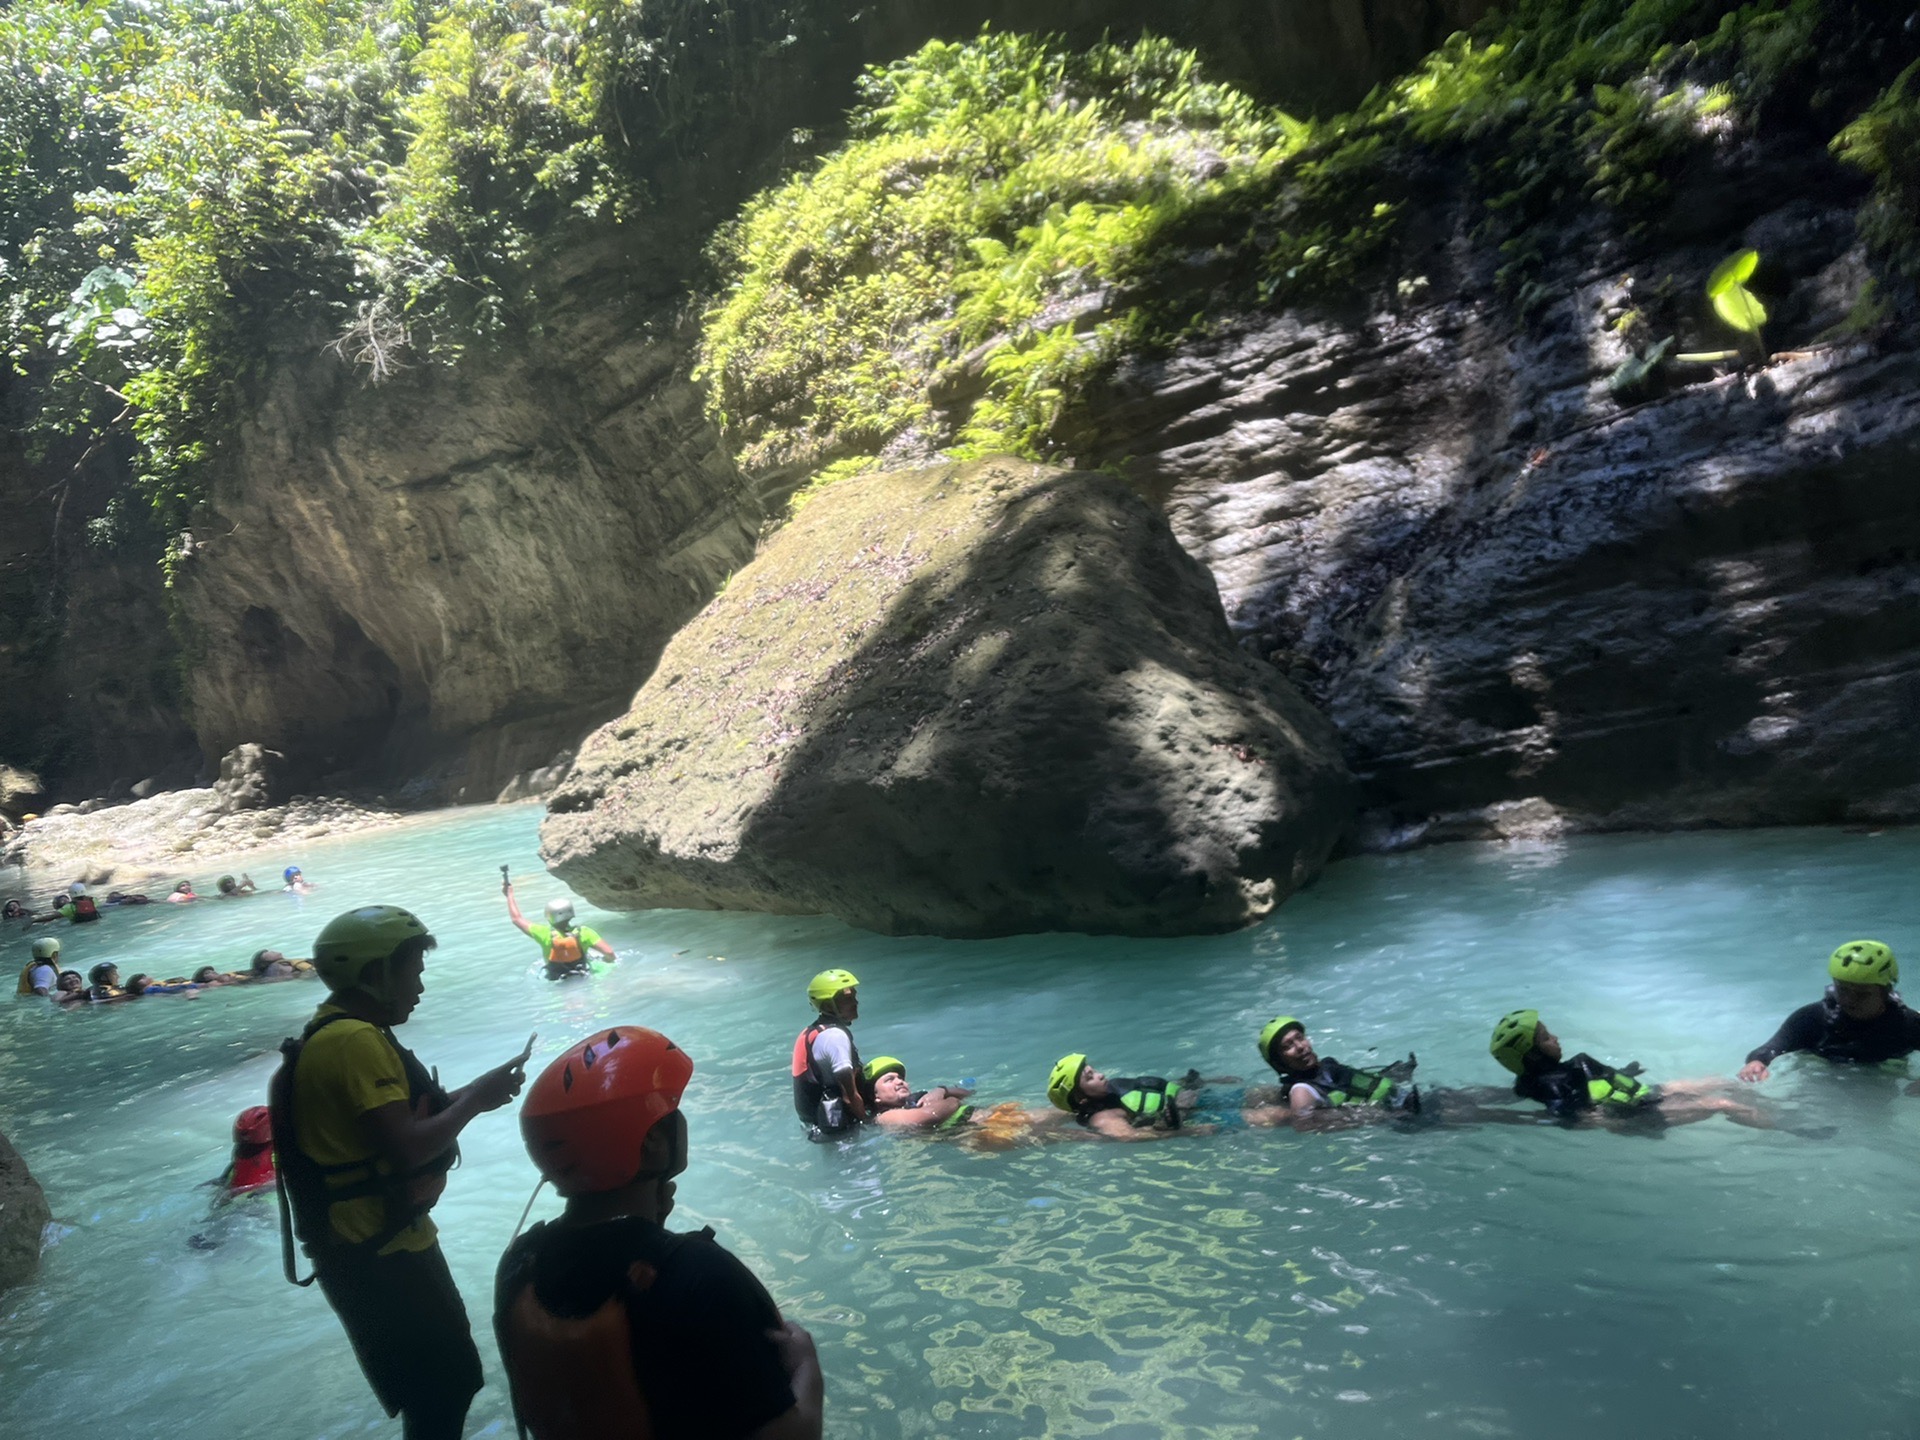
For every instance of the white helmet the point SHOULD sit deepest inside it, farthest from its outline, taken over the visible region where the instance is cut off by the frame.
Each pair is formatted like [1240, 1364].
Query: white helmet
[76, 890]
[560, 912]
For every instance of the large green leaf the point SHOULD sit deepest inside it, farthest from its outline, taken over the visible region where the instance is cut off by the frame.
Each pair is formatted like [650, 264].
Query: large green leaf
[1740, 308]
[1736, 269]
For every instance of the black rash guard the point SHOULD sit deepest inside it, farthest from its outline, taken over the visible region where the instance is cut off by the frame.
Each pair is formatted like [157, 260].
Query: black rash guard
[1826, 1030]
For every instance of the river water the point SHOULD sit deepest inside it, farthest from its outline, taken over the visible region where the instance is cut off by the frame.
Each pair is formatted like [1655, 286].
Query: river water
[1710, 1281]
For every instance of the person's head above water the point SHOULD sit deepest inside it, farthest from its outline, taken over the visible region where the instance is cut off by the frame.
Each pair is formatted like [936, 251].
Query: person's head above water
[265, 960]
[560, 914]
[46, 948]
[1074, 1080]
[76, 889]
[1284, 1046]
[1520, 1042]
[105, 973]
[1864, 973]
[835, 993]
[71, 982]
[185, 887]
[290, 874]
[227, 884]
[604, 1119]
[374, 958]
[207, 975]
[883, 1080]
[13, 910]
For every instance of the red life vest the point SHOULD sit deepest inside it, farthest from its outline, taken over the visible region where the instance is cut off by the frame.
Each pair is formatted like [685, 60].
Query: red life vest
[251, 1172]
[84, 909]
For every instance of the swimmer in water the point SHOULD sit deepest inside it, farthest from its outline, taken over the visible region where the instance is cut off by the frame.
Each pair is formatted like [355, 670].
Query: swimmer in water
[563, 945]
[1145, 1107]
[883, 1085]
[104, 982]
[14, 910]
[232, 889]
[71, 988]
[208, 976]
[1579, 1088]
[1861, 1021]
[139, 985]
[297, 884]
[182, 894]
[1313, 1088]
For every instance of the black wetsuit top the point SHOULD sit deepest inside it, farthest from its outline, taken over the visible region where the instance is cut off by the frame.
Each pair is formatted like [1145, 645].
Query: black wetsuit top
[1826, 1030]
[1564, 1088]
[700, 1350]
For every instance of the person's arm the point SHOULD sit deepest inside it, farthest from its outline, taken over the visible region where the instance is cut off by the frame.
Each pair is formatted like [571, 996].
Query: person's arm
[1799, 1031]
[850, 1092]
[1116, 1126]
[807, 1418]
[598, 945]
[247, 887]
[1303, 1098]
[407, 1140]
[513, 909]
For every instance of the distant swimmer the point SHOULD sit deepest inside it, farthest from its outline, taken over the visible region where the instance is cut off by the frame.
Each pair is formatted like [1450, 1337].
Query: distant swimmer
[182, 894]
[883, 1085]
[612, 1325]
[232, 889]
[103, 982]
[1582, 1087]
[250, 1170]
[563, 945]
[13, 910]
[73, 905]
[1144, 1107]
[41, 974]
[1861, 1020]
[296, 883]
[363, 1138]
[1310, 1082]
[127, 897]
[71, 988]
[826, 1063]
[138, 985]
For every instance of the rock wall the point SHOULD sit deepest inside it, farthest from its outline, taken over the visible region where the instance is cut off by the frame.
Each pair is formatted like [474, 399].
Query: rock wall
[969, 700]
[24, 1217]
[1508, 584]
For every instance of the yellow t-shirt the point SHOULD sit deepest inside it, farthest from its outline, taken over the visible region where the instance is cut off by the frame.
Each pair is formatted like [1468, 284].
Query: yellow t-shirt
[345, 1070]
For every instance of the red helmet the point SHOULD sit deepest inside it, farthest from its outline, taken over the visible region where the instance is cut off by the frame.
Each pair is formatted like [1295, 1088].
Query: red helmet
[253, 1126]
[591, 1110]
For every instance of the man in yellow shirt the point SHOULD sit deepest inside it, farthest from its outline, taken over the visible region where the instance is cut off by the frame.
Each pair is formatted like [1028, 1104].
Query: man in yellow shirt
[364, 1136]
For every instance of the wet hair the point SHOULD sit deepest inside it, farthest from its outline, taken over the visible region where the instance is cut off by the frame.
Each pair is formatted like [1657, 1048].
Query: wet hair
[206, 975]
[74, 975]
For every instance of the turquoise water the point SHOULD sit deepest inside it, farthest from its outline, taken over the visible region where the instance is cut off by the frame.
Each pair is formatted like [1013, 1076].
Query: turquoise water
[1713, 1281]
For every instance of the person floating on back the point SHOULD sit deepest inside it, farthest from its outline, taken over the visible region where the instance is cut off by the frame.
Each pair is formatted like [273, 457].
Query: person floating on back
[563, 945]
[609, 1324]
[889, 1101]
[182, 894]
[826, 1062]
[41, 974]
[1310, 1082]
[1582, 1087]
[363, 1137]
[1861, 1020]
[1144, 1107]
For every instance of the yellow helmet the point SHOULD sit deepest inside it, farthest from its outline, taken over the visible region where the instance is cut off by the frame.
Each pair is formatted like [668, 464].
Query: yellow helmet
[357, 939]
[829, 983]
[1513, 1038]
[1065, 1080]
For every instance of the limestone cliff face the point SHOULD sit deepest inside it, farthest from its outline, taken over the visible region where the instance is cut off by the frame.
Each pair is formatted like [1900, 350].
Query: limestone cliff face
[968, 700]
[1530, 602]
[462, 570]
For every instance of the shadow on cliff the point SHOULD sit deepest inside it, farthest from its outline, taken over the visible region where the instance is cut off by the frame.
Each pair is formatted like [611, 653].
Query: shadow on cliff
[988, 747]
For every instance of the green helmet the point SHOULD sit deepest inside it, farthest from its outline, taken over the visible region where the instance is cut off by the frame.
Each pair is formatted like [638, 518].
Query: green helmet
[1864, 962]
[1065, 1080]
[357, 939]
[1513, 1037]
[1275, 1027]
[46, 948]
[883, 1065]
[829, 983]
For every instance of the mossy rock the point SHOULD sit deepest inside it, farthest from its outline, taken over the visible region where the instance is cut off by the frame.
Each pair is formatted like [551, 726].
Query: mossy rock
[973, 699]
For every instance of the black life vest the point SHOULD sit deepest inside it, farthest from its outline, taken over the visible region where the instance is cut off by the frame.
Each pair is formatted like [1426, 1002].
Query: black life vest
[309, 1189]
[816, 1093]
[83, 909]
[1339, 1084]
[571, 1377]
[1584, 1083]
[1851, 1041]
[1146, 1100]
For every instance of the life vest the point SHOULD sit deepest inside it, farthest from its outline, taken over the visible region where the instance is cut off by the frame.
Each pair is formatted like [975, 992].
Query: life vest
[572, 1377]
[1583, 1083]
[1339, 1084]
[249, 1173]
[1608, 1086]
[83, 909]
[1842, 1039]
[26, 977]
[1147, 1101]
[309, 1189]
[816, 1093]
[564, 950]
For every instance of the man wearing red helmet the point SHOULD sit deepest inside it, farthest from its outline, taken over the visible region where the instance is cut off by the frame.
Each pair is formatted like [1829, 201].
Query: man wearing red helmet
[608, 1323]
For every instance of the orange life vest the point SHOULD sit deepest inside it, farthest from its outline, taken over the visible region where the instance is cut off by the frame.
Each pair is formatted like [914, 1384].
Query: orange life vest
[566, 950]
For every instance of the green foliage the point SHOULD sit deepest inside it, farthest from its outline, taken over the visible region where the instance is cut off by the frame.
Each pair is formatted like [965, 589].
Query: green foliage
[1737, 306]
[1885, 142]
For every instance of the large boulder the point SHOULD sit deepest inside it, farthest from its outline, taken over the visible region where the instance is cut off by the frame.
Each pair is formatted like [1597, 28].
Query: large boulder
[252, 777]
[966, 700]
[23, 1219]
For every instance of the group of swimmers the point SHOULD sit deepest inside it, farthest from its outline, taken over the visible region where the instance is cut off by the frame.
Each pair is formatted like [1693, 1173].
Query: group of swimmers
[42, 974]
[1860, 1020]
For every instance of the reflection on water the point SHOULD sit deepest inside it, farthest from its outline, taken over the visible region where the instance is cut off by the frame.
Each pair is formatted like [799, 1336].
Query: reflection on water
[1474, 1282]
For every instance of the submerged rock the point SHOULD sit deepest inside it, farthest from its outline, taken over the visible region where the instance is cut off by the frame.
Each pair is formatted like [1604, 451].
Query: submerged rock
[967, 700]
[24, 1217]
